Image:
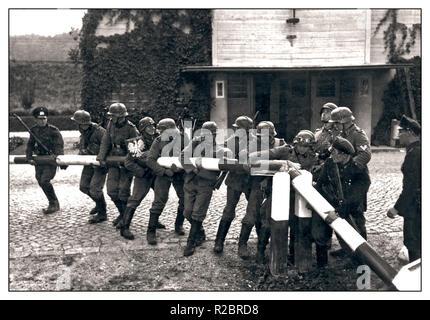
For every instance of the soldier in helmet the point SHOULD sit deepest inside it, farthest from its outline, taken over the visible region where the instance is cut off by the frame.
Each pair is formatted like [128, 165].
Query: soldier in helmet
[92, 178]
[51, 138]
[302, 153]
[168, 134]
[135, 162]
[114, 143]
[236, 182]
[199, 183]
[324, 135]
[344, 126]
[265, 130]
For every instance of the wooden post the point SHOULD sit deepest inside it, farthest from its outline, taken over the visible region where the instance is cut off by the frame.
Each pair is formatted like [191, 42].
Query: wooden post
[303, 242]
[279, 222]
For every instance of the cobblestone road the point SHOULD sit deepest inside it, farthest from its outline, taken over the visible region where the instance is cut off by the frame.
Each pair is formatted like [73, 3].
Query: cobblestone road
[67, 232]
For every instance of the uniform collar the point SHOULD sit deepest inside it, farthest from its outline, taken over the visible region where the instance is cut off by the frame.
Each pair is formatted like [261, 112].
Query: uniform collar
[349, 129]
[413, 145]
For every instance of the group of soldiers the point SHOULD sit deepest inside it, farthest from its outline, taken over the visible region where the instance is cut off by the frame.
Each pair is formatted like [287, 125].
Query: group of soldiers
[336, 154]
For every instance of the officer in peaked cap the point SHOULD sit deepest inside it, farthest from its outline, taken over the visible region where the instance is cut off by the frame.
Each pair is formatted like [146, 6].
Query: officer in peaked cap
[51, 144]
[408, 205]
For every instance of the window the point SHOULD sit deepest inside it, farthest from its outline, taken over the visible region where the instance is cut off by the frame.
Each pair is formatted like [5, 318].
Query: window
[219, 88]
[326, 87]
[364, 87]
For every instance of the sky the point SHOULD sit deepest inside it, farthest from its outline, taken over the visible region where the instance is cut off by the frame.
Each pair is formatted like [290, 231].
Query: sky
[44, 22]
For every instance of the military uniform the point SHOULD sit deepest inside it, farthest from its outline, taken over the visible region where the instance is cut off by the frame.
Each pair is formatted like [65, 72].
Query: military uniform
[162, 185]
[409, 202]
[92, 178]
[119, 178]
[358, 138]
[355, 183]
[51, 137]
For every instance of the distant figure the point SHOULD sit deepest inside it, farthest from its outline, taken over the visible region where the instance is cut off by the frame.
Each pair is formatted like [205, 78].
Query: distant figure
[408, 205]
[51, 143]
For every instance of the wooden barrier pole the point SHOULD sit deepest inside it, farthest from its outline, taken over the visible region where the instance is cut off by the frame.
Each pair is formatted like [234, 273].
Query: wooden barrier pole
[303, 240]
[279, 223]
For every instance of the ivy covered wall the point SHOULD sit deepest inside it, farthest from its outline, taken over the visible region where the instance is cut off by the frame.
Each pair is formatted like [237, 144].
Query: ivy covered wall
[147, 60]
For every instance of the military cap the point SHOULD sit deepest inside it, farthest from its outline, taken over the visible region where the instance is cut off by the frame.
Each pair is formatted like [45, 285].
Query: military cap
[40, 112]
[343, 145]
[410, 124]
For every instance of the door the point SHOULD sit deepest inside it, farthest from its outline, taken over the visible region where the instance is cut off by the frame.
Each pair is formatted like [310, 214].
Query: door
[238, 96]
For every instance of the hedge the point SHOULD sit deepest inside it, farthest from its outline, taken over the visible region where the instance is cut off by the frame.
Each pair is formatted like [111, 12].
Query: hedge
[61, 122]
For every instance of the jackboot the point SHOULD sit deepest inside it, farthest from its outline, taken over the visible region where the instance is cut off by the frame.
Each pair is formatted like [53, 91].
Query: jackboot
[191, 241]
[53, 206]
[245, 231]
[263, 240]
[151, 233]
[223, 228]
[179, 230]
[160, 226]
[121, 208]
[322, 256]
[101, 212]
[125, 228]
[201, 237]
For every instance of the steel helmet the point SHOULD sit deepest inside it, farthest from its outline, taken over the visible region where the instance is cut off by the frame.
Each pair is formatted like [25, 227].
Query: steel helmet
[166, 123]
[341, 115]
[329, 106]
[118, 110]
[243, 122]
[81, 117]
[211, 126]
[266, 125]
[144, 122]
[305, 138]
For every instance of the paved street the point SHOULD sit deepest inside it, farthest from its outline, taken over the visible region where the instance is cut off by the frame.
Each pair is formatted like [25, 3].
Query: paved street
[67, 232]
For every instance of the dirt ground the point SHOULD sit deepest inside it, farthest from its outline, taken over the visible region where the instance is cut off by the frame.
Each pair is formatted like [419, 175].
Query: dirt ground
[163, 268]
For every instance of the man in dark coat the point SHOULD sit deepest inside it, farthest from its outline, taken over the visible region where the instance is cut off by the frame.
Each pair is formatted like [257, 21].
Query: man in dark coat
[344, 185]
[51, 138]
[408, 205]
[92, 178]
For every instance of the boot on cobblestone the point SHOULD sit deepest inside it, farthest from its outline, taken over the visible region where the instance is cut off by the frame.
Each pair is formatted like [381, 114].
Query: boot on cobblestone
[125, 228]
[179, 230]
[338, 253]
[101, 212]
[322, 256]
[263, 240]
[243, 241]
[121, 208]
[191, 241]
[160, 226]
[94, 210]
[151, 233]
[223, 227]
[53, 206]
[201, 237]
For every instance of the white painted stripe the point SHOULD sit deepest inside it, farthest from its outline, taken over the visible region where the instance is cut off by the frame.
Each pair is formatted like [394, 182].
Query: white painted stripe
[211, 164]
[409, 277]
[300, 205]
[281, 196]
[167, 162]
[312, 196]
[352, 238]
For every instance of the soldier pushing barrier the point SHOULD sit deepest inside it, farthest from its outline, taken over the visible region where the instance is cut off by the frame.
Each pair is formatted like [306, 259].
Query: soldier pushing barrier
[199, 183]
[165, 177]
[236, 182]
[92, 178]
[45, 139]
[113, 143]
[136, 163]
